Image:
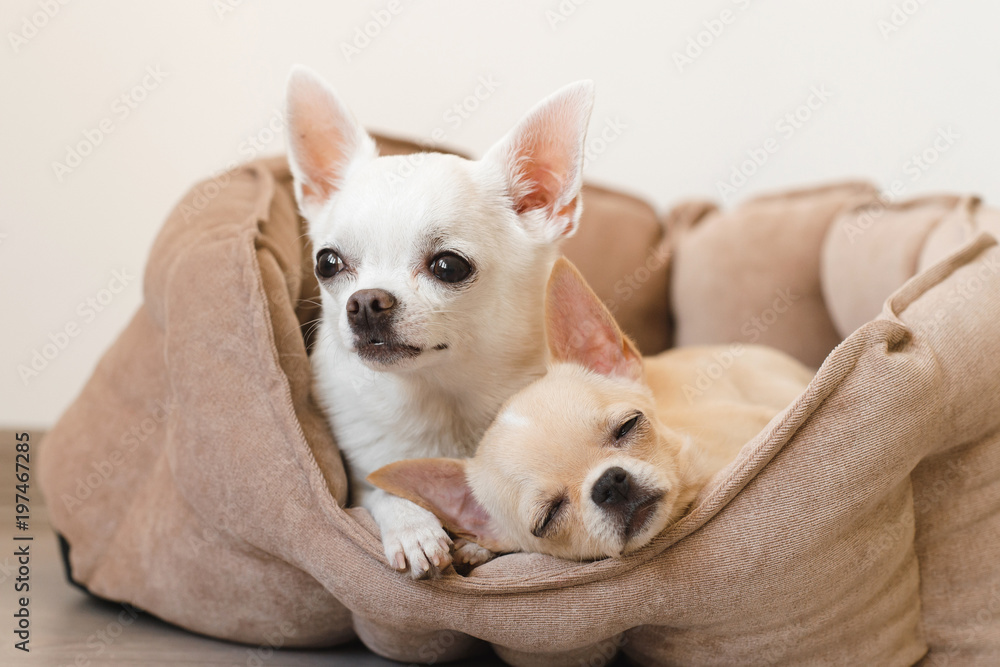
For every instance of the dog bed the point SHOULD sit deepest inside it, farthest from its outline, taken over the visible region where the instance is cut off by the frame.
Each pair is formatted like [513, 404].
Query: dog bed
[195, 478]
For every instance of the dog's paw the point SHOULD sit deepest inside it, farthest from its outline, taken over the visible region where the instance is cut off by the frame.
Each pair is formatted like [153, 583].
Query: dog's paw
[467, 555]
[422, 548]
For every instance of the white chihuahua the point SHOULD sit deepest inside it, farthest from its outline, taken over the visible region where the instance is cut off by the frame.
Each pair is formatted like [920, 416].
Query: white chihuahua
[433, 288]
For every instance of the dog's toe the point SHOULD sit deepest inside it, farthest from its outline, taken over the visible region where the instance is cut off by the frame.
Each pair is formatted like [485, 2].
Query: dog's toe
[425, 552]
[470, 554]
[395, 554]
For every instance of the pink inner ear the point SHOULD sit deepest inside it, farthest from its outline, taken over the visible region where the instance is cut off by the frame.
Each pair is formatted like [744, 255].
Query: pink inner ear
[541, 187]
[582, 331]
[321, 148]
[597, 352]
[543, 158]
[323, 138]
[545, 173]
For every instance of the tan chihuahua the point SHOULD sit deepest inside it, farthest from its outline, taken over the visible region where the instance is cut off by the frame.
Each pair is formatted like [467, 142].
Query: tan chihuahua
[607, 449]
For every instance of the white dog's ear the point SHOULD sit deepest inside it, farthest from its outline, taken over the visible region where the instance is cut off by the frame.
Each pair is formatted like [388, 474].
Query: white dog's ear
[441, 486]
[324, 140]
[541, 160]
[581, 330]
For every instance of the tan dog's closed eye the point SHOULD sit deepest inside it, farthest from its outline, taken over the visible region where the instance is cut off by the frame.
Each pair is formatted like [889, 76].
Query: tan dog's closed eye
[607, 449]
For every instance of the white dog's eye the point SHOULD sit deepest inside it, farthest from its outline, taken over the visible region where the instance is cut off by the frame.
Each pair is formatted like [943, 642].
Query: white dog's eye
[627, 426]
[450, 268]
[328, 263]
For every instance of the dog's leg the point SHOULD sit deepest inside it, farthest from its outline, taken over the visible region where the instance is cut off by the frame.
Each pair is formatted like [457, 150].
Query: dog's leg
[412, 537]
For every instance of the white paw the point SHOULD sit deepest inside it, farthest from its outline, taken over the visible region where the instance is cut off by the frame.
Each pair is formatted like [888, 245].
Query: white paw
[470, 554]
[412, 537]
[423, 549]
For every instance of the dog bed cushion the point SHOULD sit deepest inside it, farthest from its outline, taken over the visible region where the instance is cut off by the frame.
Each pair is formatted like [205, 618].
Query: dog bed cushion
[195, 478]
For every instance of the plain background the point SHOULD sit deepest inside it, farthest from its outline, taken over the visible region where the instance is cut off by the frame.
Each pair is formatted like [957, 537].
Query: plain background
[895, 75]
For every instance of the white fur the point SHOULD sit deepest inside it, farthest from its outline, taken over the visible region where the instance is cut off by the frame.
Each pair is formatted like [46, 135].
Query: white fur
[441, 402]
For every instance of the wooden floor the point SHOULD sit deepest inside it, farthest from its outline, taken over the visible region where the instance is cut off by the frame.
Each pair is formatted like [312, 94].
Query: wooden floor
[70, 628]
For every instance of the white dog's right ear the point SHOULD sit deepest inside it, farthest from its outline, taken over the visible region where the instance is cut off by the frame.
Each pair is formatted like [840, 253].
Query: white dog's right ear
[324, 140]
[541, 160]
[581, 330]
[441, 486]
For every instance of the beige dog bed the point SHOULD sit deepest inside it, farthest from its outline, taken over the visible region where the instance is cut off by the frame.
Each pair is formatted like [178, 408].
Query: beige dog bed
[195, 478]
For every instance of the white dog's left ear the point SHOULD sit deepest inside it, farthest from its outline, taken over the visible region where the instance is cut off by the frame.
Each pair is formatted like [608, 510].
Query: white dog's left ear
[324, 140]
[541, 160]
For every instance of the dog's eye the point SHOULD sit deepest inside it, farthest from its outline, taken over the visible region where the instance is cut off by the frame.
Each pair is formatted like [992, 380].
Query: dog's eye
[553, 509]
[450, 268]
[328, 263]
[627, 426]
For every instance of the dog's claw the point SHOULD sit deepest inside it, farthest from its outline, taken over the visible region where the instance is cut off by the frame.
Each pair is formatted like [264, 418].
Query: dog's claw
[424, 550]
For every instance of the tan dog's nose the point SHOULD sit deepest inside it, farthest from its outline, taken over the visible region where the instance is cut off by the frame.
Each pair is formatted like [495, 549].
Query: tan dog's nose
[611, 490]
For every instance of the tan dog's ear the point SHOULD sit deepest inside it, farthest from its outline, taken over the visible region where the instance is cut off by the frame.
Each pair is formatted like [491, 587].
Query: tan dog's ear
[581, 330]
[441, 486]
[323, 139]
[542, 160]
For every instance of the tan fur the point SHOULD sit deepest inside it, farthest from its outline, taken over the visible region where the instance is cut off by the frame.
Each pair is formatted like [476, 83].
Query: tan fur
[553, 439]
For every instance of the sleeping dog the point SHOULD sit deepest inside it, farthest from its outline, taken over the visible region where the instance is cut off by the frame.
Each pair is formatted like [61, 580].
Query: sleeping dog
[607, 449]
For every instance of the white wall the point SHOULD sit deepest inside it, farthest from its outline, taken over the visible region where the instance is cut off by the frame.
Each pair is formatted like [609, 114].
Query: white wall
[684, 129]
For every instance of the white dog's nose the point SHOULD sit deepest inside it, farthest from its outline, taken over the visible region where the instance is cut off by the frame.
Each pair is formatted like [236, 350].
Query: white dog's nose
[370, 308]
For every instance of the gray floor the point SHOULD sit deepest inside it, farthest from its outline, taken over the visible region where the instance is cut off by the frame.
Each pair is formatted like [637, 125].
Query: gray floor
[71, 628]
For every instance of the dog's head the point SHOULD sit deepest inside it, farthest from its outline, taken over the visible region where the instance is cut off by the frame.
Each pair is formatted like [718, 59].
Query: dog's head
[576, 464]
[428, 256]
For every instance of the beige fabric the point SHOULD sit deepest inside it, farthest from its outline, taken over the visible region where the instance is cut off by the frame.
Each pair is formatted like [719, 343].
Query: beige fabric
[751, 274]
[873, 249]
[860, 527]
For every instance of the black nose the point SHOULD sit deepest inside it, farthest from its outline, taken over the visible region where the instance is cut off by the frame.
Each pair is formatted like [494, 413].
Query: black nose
[368, 308]
[612, 488]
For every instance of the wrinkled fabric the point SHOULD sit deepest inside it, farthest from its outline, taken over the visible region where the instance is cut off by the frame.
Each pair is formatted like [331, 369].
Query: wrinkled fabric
[195, 477]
